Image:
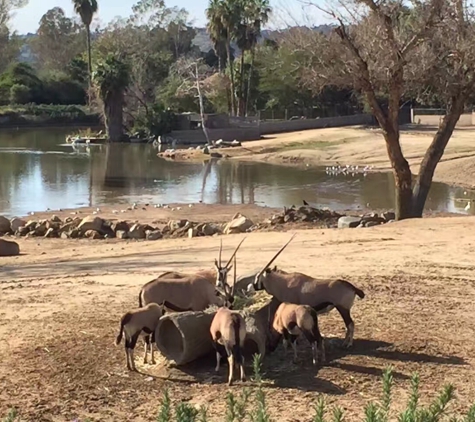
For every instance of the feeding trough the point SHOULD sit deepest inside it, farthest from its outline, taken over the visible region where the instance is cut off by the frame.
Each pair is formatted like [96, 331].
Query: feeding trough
[183, 337]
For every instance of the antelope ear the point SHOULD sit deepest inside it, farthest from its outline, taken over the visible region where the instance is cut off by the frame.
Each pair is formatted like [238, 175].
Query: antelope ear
[230, 267]
[216, 264]
[268, 270]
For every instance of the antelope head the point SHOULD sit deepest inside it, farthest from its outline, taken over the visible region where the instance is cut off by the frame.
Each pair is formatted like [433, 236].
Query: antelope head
[258, 283]
[222, 271]
[227, 292]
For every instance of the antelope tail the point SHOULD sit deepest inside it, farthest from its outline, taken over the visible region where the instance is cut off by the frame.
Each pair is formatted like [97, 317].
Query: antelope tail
[357, 291]
[140, 299]
[236, 349]
[123, 321]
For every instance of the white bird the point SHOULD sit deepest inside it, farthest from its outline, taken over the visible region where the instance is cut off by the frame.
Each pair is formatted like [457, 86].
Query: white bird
[467, 207]
[98, 209]
[178, 208]
[190, 205]
[115, 212]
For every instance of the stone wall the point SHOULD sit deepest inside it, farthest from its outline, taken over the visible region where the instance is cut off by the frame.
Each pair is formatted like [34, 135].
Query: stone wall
[466, 119]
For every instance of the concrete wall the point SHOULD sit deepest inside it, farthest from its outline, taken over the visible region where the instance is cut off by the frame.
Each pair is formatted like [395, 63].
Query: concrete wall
[466, 119]
[187, 137]
[305, 124]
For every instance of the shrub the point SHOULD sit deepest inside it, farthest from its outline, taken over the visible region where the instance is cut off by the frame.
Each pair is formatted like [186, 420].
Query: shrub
[19, 94]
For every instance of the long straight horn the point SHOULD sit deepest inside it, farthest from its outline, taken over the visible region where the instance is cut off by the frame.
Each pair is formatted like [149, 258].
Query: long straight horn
[220, 250]
[276, 255]
[234, 254]
[234, 280]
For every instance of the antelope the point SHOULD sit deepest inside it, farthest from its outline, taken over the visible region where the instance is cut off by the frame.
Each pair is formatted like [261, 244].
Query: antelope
[228, 331]
[290, 321]
[132, 324]
[301, 289]
[217, 275]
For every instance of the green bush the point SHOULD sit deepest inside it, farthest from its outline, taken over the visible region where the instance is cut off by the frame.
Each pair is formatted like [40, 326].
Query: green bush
[19, 94]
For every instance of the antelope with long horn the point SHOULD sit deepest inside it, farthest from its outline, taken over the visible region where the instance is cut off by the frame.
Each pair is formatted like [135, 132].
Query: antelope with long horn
[301, 289]
[228, 331]
[217, 276]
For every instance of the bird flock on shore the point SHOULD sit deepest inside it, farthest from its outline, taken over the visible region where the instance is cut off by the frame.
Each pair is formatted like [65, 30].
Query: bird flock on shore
[347, 170]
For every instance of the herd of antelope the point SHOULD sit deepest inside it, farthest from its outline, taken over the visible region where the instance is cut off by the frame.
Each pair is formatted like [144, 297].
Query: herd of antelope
[301, 298]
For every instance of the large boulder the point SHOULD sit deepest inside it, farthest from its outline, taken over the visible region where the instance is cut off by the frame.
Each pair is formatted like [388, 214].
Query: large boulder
[91, 222]
[16, 223]
[239, 224]
[9, 248]
[5, 226]
[137, 231]
[120, 226]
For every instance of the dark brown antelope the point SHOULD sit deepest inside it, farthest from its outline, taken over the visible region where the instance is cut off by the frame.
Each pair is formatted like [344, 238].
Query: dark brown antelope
[301, 289]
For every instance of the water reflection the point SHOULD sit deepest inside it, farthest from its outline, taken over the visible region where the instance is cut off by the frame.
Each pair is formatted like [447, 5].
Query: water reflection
[38, 171]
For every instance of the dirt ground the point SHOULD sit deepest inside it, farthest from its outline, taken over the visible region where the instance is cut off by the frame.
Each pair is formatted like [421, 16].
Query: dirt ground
[62, 301]
[361, 146]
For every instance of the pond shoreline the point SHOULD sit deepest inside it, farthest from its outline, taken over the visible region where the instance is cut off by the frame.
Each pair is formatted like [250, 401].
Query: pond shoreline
[356, 145]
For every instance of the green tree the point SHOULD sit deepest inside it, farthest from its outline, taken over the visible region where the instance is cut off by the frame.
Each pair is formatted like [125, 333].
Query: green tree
[86, 9]
[112, 79]
[58, 40]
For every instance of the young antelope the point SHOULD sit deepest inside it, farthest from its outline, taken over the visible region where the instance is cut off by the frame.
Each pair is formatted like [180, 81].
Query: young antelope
[290, 321]
[132, 324]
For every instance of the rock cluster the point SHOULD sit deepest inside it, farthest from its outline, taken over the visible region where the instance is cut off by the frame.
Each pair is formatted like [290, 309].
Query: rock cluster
[368, 220]
[307, 214]
[94, 227]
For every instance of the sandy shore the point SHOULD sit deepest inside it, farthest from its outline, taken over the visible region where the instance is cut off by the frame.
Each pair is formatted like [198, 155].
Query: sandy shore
[62, 300]
[359, 146]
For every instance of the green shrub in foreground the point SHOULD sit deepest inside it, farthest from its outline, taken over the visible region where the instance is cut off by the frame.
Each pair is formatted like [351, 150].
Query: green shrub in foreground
[251, 406]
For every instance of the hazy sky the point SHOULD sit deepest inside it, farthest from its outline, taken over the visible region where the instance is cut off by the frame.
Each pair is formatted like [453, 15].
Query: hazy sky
[26, 19]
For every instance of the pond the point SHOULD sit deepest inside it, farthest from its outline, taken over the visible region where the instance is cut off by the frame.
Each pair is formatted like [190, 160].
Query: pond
[39, 171]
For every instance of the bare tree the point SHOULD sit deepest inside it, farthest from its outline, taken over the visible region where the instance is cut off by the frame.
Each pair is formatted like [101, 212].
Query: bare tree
[388, 50]
[194, 72]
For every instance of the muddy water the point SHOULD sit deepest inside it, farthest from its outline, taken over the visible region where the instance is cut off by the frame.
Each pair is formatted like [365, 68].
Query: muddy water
[39, 171]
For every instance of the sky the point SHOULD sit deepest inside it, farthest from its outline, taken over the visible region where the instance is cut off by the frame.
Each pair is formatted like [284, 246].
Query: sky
[26, 19]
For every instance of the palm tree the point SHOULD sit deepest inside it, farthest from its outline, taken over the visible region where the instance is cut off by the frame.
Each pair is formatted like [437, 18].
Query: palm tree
[258, 11]
[223, 18]
[112, 77]
[86, 9]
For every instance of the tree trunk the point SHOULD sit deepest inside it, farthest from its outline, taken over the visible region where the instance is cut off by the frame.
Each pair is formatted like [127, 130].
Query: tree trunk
[202, 107]
[113, 116]
[402, 175]
[231, 75]
[241, 93]
[89, 59]
[249, 78]
[434, 154]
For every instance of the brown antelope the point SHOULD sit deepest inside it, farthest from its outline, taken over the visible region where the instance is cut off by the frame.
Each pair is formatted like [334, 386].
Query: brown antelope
[290, 321]
[228, 331]
[301, 289]
[132, 324]
[217, 275]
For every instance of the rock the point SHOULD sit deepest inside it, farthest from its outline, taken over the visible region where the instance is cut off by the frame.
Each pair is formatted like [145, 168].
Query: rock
[216, 155]
[68, 219]
[207, 229]
[191, 232]
[389, 215]
[40, 229]
[55, 225]
[137, 231]
[74, 233]
[176, 224]
[51, 232]
[9, 248]
[67, 227]
[91, 223]
[31, 225]
[5, 226]
[348, 221]
[372, 223]
[277, 219]
[368, 219]
[121, 234]
[22, 231]
[16, 223]
[120, 226]
[153, 234]
[55, 219]
[93, 234]
[64, 235]
[239, 224]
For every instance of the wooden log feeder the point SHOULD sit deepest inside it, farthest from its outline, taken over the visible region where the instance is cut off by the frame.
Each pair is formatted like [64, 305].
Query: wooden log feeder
[185, 336]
